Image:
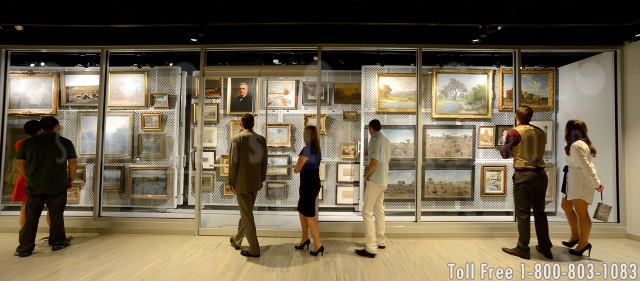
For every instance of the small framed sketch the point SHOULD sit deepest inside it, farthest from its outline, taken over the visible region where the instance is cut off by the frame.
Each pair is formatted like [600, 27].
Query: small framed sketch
[278, 134]
[73, 195]
[346, 93]
[401, 184]
[276, 189]
[81, 174]
[349, 116]
[159, 100]
[151, 146]
[310, 93]
[349, 150]
[486, 136]
[149, 182]
[208, 160]
[212, 88]
[281, 94]
[547, 127]
[347, 172]
[32, 93]
[494, 180]
[226, 190]
[113, 179]
[501, 134]
[276, 163]
[224, 160]
[209, 137]
[79, 88]
[323, 171]
[346, 195]
[127, 89]
[151, 121]
[310, 120]
[211, 113]
[450, 183]
[207, 182]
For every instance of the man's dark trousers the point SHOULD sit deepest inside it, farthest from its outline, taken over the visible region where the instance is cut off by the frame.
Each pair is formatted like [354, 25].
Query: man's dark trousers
[529, 190]
[56, 202]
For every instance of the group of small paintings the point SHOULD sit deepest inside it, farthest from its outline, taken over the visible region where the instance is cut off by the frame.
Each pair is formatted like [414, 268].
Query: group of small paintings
[144, 182]
[487, 134]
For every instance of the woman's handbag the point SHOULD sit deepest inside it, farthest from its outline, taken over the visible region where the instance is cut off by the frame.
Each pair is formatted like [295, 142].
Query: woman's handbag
[602, 211]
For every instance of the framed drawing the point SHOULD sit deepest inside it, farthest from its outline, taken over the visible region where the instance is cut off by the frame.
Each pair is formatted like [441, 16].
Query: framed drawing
[501, 134]
[79, 88]
[209, 137]
[276, 163]
[118, 135]
[32, 93]
[347, 93]
[151, 121]
[346, 195]
[397, 92]
[494, 180]
[276, 189]
[113, 179]
[282, 94]
[448, 183]
[127, 89]
[152, 146]
[537, 86]
[486, 136]
[349, 150]
[211, 113]
[207, 182]
[224, 160]
[547, 127]
[242, 96]
[350, 116]
[310, 120]
[309, 93]
[226, 190]
[402, 138]
[323, 171]
[208, 160]
[73, 195]
[81, 174]
[212, 88]
[462, 93]
[347, 172]
[450, 142]
[159, 100]
[278, 134]
[401, 184]
[552, 186]
[149, 182]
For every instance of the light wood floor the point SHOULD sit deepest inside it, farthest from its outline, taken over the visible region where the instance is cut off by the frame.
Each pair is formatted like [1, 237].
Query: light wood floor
[175, 257]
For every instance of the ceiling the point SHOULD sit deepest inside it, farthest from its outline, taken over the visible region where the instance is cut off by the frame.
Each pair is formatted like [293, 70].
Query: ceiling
[452, 22]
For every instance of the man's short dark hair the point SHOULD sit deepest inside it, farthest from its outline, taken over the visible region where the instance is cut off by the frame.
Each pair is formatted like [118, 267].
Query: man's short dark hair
[375, 125]
[48, 123]
[247, 121]
[32, 127]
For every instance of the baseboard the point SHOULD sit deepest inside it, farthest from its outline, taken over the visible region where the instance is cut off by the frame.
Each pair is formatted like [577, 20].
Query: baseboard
[633, 237]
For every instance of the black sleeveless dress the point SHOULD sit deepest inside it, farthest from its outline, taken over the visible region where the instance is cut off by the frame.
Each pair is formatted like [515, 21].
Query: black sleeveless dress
[309, 183]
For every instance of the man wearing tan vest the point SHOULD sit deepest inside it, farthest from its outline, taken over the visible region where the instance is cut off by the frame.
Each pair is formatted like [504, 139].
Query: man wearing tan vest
[525, 143]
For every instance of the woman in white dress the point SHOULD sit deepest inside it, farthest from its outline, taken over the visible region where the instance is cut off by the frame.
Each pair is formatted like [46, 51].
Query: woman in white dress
[582, 182]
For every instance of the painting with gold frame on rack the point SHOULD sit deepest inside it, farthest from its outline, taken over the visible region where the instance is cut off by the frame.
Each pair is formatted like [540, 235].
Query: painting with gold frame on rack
[349, 150]
[349, 115]
[494, 180]
[149, 182]
[151, 146]
[113, 179]
[127, 89]
[278, 134]
[151, 121]
[537, 86]
[211, 113]
[462, 93]
[32, 93]
[396, 92]
[159, 100]
[79, 88]
[276, 189]
[282, 94]
[310, 120]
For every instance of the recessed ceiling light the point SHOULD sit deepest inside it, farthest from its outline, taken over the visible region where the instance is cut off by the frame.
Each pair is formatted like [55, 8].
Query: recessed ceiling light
[638, 35]
[477, 40]
[19, 27]
[194, 40]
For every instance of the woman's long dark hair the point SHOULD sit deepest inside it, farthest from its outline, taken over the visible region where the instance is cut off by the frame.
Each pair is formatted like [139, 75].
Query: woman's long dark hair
[576, 130]
[311, 137]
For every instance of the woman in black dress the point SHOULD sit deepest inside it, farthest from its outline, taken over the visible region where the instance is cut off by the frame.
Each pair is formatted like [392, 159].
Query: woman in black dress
[308, 166]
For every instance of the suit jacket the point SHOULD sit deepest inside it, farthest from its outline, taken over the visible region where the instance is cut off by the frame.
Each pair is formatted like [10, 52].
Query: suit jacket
[248, 161]
[240, 104]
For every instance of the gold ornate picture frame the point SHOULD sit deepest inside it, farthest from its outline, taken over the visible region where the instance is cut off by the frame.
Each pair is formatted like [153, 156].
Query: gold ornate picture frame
[149, 182]
[127, 89]
[32, 93]
[537, 85]
[462, 93]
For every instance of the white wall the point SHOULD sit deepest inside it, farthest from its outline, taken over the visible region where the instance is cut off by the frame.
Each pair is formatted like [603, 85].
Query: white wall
[631, 134]
[587, 92]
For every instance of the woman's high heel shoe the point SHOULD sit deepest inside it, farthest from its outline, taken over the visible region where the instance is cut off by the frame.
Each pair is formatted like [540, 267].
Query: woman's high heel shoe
[570, 244]
[320, 250]
[580, 252]
[301, 246]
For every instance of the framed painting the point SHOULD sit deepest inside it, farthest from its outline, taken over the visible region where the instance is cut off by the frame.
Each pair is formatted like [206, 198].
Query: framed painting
[501, 134]
[127, 89]
[397, 92]
[310, 120]
[81, 174]
[113, 179]
[282, 94]
[347, 93]
[462, 93]
[151, 121]
[486, 136]
[453, 183]
[310, 96]
[235, 128]
[552, 186]
[323, 171]
[208, 160]
[149, 182]
[211, 113]
[401, 184]
[224, 160]
[209, 137]
[537, 86]
[494, 180]
[276, 189]
[226, 190]
[349, 150]
[212, 88]
[278, 134]
[32, 93]
[207, 183]
[450, 142]
[276, 165]
[152, 146]
[79, 88]
[402, 138]
[547, 127]
[346, 195]
[118, 135]
[242, 96]
[347, 172]
[73, 195]
[159, 100]
[349, 116]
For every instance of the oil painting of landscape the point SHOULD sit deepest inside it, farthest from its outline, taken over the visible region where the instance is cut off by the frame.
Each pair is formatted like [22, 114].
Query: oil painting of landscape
[449, 183]
[462, 93]
[397, 92]
[449, 142]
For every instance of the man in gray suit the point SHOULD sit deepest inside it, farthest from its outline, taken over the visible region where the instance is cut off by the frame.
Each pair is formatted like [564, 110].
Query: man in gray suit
[247, 173]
